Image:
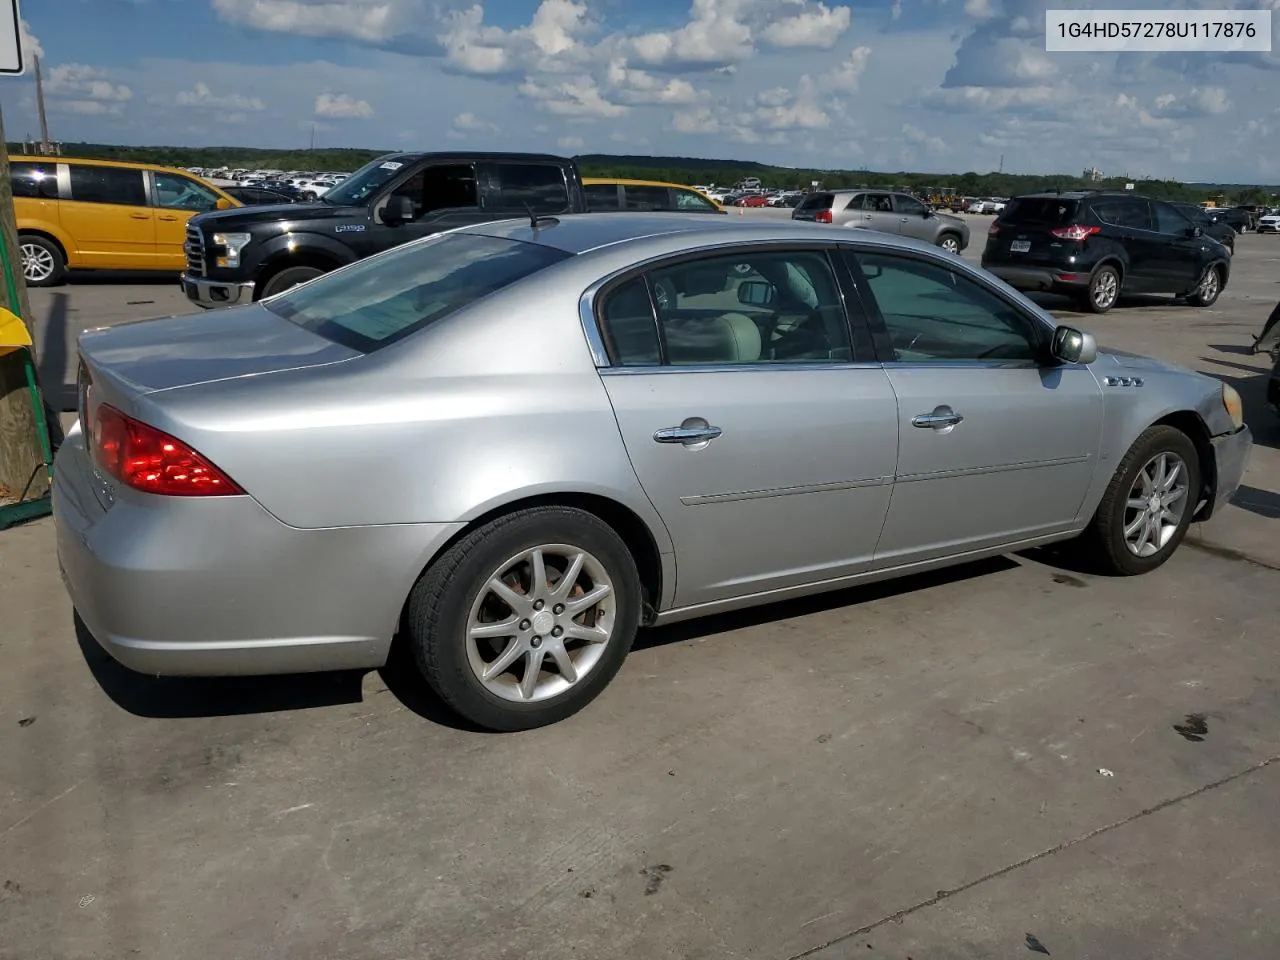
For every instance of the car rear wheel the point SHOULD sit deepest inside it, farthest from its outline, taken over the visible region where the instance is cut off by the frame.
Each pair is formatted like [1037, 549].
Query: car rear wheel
[526, 619]
[1104, 289]
[1209, 289]
[949, 242]
[43, 264]
[1148, 505]
[290, 277]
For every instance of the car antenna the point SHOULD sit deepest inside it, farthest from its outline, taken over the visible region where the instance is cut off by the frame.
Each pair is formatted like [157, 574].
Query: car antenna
[535, 221]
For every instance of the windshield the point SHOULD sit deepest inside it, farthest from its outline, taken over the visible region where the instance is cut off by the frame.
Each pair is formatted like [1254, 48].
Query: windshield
[364, 183]
[378, 301]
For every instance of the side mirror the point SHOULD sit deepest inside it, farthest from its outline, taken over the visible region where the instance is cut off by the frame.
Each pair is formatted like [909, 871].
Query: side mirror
[756, 293]
[1195, 232]
[399, 209]
[1074, 346]
[224, 204]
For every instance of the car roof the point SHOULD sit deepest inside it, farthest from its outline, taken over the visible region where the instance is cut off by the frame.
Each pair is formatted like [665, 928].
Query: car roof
[127, 164]
[585, 232]
[638, 183]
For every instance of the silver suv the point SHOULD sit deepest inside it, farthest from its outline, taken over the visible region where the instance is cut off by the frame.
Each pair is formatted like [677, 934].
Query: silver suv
[887, 212]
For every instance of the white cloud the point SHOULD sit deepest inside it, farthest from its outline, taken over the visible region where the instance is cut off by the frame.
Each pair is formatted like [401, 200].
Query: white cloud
[80, 81]
[579, 97]
[640, 86]
[552, 38]
[848, 75]
[469, 121]
[341, 106]
[570, 143]
[30, 45]
[201, 96]
[820, 27]
[372, 21]
[914, 135]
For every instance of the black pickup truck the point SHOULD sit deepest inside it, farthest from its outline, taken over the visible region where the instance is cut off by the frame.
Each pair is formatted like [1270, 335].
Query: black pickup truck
[242, 255]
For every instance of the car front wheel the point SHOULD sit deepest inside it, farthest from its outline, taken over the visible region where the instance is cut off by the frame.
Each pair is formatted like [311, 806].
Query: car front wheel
[1148, 505]
[949, 242]
[525, 620]
[1209, 289]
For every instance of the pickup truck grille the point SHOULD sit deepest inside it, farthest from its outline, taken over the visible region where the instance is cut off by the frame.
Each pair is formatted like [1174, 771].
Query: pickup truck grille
[194, 248]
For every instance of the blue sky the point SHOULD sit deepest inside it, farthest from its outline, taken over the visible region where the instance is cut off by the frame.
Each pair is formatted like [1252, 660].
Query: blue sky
[936, 85]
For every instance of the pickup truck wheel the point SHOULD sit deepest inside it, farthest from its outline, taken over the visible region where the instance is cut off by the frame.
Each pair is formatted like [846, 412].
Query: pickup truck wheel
[290, 277]
[43, 264]
[1147, 507]
[949, 242]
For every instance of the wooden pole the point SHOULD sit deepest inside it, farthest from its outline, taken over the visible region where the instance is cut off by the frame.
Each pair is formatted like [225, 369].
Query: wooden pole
[22, 465]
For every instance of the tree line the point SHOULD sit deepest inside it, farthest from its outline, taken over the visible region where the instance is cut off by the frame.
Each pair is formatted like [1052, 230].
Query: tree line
[695, 170]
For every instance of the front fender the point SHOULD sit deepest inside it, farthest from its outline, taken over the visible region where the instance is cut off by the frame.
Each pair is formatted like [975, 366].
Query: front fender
[299, 245]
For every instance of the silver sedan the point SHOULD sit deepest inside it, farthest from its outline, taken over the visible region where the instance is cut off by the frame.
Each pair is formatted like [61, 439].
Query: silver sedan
[512, 445]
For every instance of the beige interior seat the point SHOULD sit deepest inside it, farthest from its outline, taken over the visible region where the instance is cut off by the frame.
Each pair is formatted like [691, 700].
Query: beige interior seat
[727, 338]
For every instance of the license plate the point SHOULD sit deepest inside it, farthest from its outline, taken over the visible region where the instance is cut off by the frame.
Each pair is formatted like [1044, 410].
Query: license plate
[1019, 246]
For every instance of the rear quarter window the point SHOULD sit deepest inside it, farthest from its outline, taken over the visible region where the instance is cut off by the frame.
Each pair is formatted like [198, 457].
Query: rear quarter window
[1054, 211]
[376, 302]
[815, 202]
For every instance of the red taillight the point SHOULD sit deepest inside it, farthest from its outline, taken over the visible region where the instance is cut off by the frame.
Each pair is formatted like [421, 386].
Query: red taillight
[993, 230]
[1075, 232]
[142, 457]
[822, 216]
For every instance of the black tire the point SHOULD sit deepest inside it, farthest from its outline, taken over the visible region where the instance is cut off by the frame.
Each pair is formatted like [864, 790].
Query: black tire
[950, 242]
[1096, 298]
[52, 269]
[439, 608]
[1206, 295]
[1103, 544]
[289, 277]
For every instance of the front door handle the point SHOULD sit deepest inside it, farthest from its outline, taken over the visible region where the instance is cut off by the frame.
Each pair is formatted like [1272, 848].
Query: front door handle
[168, 219]
[140, 216]
[903, 220]
[942, 416]
[693, 431]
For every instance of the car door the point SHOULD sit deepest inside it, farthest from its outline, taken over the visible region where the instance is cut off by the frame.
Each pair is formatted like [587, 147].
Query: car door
[176, 200]
[994, 447]
[1181, 257]
[108, 218]
[603, 197]
[913, 217]
[762, 443]
[877, 213]
[1130, 222]
[636, 197]
[516, 188]
[441, 196]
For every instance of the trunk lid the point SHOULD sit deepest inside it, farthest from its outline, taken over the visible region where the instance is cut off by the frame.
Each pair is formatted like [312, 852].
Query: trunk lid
[812, 205]
[150, 355]
[1024, 231]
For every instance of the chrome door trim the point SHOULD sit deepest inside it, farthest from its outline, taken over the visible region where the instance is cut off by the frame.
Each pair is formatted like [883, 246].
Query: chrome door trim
[993, 468]
[694, 501]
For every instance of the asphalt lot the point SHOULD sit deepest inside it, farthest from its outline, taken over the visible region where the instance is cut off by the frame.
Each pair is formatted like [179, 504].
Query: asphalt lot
[931, 769]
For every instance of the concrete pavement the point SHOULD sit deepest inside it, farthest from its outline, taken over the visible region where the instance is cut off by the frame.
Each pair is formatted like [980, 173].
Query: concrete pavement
[933, 768]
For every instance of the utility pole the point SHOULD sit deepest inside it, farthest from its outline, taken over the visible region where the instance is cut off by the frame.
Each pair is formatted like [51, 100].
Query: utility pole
[1001, 155]
[46, 147]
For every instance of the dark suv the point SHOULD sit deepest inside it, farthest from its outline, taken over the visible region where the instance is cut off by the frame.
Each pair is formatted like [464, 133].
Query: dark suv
[1095, 246]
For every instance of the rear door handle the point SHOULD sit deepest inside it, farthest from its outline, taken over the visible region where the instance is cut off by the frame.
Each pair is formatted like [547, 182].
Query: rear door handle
[942, 416]
[693, 431]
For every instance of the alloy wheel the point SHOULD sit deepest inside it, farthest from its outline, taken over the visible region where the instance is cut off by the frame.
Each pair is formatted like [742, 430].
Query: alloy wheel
[1157, 501]
[540, 623]
[37, 263]
[1208, 288]
[950, 244]
[1105, 289]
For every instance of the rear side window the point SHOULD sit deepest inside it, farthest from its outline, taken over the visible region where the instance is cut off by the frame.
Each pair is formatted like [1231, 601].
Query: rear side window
[1051, 211]
[646, 198]
[38, 180]
[1121, 212]
[378, 301]
[538, 187]
[693, 201]
[602, 196]
[815, 202]
[107, 185]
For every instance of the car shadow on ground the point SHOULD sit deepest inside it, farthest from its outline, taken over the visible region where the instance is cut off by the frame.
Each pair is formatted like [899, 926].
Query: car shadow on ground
[1059, 304]
[89, 278]
[56, 381]
[153, 697]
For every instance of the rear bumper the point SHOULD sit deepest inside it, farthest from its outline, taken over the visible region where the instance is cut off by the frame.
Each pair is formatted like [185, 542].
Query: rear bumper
[216, 293]
[1046, 279]
[1231, 455]
[219, 587]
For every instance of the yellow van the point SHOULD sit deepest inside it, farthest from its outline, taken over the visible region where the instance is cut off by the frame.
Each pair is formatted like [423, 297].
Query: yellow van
[104, 215]
[610, 193]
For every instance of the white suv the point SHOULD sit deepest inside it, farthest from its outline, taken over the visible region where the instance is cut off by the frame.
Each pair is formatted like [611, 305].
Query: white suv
[1269, 222]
